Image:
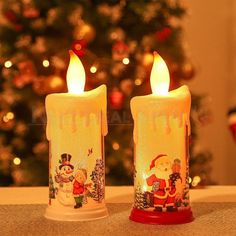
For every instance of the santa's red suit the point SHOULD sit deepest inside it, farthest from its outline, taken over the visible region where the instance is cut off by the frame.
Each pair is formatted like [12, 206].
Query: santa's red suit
[78, 188]
[164, 193]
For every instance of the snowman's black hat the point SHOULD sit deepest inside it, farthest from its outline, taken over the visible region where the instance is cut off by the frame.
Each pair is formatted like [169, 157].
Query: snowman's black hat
[65, 160]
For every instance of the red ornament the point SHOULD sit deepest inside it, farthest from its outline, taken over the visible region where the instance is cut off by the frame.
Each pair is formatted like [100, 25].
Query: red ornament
[18, 27]
[26, 74]
[164, 34]
[233, 130]
[79, 47]
[116, 99]
[11, 16]
[30, 12]
[127, 86]
[232, 122]
[120, 50]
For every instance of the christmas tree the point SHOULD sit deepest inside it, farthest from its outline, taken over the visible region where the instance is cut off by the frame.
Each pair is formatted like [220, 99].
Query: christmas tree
[115, 40]
[140, 199]
[51, 188]
[97, 177]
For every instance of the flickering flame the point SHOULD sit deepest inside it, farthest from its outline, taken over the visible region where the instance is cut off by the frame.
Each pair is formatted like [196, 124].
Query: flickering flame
[160, 78]
[75, 76]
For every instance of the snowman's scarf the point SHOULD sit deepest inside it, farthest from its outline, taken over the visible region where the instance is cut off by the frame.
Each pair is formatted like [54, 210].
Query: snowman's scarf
[60, 179]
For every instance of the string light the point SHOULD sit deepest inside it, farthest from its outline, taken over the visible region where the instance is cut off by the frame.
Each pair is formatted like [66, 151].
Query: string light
[17, 161]
[138, 82]
[78, 46]
[125, 61]
[189, 180]
[93, 69]
[46, 63]
[114, 35]
[196, 181]
[8, 64]
[9, 116]
[115, 146]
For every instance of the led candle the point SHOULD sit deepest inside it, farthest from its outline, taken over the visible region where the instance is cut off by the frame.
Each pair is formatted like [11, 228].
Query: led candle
[76, 126]
[161, 140]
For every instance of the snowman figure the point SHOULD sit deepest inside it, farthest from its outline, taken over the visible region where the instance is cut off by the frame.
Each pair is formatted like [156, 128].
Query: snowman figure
[64, 178]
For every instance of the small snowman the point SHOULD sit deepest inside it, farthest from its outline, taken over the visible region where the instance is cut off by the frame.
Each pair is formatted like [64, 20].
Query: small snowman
[64, 178]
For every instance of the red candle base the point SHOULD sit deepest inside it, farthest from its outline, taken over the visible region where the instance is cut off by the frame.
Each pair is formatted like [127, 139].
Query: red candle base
[161, 218]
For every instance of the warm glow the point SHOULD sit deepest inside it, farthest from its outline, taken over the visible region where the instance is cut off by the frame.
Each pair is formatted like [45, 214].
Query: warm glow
[56, 82]
[138, 82]
[46, 63]
[115, 146]
[17, 161]
[196, 181]
[75, 75]
[160, 78]
[144, 188]
[8, 64]
[9, 116]
[125, 61]
[93, 69]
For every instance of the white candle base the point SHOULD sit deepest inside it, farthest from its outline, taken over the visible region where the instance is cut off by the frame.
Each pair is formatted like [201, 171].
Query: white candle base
[74, 215]
[75, 129]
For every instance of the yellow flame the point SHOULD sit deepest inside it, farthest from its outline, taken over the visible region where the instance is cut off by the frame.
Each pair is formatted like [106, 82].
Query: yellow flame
[75, 76]
[160, 78]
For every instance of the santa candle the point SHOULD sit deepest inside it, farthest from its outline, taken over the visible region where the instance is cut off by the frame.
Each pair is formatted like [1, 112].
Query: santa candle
[76, 126]
[161, 136]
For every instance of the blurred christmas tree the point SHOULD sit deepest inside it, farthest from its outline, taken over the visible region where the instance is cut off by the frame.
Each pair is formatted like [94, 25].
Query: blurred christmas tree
[115, 40]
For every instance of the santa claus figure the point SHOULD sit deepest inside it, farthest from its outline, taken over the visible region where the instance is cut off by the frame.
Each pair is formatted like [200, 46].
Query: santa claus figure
[64, 177]
[163, 189]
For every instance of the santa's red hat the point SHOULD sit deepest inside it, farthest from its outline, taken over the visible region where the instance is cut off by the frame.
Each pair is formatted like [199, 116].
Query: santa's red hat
[154, 160]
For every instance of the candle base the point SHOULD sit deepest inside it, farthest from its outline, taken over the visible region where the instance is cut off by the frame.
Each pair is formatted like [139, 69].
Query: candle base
[161, 218]
[76, 214]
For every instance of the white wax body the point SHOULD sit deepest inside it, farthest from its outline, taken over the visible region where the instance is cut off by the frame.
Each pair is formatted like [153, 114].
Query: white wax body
[76, 126]
[161, 128]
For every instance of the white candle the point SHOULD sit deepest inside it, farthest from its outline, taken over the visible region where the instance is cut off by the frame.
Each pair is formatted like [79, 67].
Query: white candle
[76, 126]
[161, 134]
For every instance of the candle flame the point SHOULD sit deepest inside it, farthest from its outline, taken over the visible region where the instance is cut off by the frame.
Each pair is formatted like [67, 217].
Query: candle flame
[160, 78]
[75, 76]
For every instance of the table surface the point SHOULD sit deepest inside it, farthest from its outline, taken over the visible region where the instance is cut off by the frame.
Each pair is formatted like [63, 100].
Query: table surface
[22, 209]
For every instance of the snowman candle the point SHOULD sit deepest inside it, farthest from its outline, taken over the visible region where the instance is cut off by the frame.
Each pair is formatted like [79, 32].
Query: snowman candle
[76, 126]
[161, 136]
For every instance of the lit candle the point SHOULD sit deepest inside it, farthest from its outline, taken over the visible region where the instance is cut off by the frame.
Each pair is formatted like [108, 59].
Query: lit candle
[76, 126]
[161, 139]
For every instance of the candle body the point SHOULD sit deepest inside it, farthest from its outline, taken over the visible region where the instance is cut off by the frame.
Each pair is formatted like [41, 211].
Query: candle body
[161, 139]
[76, 125]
